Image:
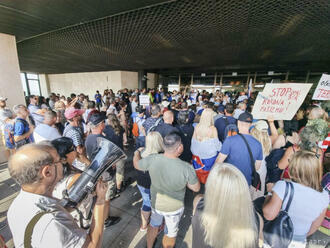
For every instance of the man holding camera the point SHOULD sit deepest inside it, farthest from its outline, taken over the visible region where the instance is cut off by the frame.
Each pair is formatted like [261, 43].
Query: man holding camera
[35, 218]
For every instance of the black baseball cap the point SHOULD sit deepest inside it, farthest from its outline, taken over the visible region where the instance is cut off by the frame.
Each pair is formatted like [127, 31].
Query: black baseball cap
[246, 117]
[96, 117]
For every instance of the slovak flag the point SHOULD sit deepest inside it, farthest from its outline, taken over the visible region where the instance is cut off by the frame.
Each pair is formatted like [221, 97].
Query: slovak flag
[250, 88]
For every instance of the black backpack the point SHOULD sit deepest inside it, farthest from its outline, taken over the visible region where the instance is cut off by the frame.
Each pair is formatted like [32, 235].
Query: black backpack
[278, 233]
[230, 129]
[273, 172]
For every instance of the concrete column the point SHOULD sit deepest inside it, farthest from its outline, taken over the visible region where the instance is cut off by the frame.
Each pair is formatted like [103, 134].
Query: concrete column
[142, 79]
[10, 81]
[44, 85]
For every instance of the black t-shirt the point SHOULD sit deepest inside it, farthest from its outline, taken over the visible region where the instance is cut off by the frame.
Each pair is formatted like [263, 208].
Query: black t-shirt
[186, 133]
[143, 179]
[165, 129]
[91, 145]
[113, 137]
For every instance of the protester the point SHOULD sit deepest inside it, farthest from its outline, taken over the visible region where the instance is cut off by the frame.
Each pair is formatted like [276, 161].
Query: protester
[310, 201]
[46, 130]
[74, 129]
[235, 151]
[153, 121]
[139, 120]
[37, 168]
[205, 145]
[98, 100]
[97, 123]
[154, 145]
[169, 178]
[224, 121]
[186, 131]
[22, 129]
[114, 132]
[260, 133]
[35, 111]
[219, 218]
[166, 127]
[123, 121]
[241, 108]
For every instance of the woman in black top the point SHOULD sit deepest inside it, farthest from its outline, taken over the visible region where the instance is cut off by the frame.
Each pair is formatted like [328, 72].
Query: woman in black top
[154, 145]
[224, 217]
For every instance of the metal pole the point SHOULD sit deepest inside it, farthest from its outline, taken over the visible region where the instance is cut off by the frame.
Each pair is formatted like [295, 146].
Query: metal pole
[255, 78]
[287, 75]
[307, 76]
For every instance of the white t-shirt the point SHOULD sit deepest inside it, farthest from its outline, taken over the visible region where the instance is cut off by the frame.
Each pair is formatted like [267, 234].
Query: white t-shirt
[57, 229]
[307, 204]
[45, 132]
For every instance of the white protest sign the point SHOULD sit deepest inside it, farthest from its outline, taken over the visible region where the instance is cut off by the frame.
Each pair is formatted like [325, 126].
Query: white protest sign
[281, 101]
[144, 100]
[322, 91]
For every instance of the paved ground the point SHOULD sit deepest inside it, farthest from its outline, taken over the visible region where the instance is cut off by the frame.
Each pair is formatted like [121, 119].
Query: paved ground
[126, 233]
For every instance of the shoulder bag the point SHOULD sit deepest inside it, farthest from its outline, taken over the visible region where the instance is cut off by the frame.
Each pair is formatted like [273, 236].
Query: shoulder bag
[256, 182]
[279, 232]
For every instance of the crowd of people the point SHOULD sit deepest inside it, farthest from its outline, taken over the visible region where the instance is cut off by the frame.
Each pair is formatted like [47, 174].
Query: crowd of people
[238, 167]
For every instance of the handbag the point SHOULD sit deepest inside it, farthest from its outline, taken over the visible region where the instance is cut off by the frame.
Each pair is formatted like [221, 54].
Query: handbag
[279, 232]
[256, 182]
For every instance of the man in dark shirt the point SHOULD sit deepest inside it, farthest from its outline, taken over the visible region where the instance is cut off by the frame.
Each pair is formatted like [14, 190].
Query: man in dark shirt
[97, 124]
[222, 122]
[166, 127]
[154, 120]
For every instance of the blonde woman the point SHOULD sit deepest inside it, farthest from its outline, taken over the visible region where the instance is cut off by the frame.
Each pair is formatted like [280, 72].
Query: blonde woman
[154, 145]
[309, 202]
[224, 216]
[205, 145]
[260, 132]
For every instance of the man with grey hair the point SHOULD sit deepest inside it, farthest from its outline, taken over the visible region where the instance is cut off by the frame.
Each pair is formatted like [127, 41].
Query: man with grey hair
[97, 125]
[35, 218]
[46, 130]
[22, 129]
[153, 121]
[169, 178]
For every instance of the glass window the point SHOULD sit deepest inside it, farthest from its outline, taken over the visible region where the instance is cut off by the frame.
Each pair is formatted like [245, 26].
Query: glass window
[32, 76]
[24, 84]
[34, 87]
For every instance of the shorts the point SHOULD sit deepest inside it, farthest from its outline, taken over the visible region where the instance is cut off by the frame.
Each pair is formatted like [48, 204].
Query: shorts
[146, 201]
[172, 220]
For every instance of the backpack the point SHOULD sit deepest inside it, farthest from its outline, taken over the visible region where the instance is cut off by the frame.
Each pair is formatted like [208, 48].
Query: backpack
[9, 135]
[153, 127]
[135, 129]
[230, 129]
[279, 232]
[273, 172]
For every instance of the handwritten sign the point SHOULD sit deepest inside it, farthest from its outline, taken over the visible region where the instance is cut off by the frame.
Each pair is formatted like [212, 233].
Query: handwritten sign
[144, 100]
[322, 91]
[280, 101]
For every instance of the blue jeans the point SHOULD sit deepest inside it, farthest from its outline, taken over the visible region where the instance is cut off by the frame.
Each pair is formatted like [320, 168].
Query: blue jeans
[146, 200]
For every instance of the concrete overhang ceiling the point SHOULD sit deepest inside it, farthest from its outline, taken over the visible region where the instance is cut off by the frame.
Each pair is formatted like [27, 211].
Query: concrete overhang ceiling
[93, 35]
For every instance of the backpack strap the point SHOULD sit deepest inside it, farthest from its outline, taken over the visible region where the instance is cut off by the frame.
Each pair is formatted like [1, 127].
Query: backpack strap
[30, 227]
[250, 152]
[291, 195]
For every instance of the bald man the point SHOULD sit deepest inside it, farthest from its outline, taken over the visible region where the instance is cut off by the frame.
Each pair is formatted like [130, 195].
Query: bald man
[167, 127]
[37, 168]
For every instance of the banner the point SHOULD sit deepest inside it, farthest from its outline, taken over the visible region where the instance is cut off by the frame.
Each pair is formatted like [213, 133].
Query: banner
[281, 101]
[322, 91]
[144, 100]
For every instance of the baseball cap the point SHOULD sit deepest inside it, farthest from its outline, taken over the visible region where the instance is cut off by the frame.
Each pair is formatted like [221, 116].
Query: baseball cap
[2, 99]
[73, 112]
[221, 108]
[96, 118]
[261, 125]
[245, 117]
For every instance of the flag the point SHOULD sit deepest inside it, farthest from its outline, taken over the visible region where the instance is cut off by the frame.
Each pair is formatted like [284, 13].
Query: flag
[250, 88]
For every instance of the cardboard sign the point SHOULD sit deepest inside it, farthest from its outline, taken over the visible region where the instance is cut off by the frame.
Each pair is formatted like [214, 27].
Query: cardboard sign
[281, 101]
[322, 91]
[144, 100]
